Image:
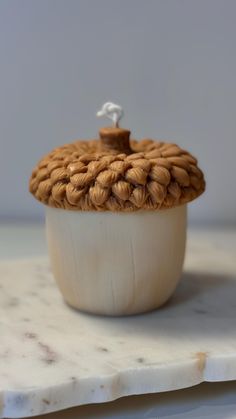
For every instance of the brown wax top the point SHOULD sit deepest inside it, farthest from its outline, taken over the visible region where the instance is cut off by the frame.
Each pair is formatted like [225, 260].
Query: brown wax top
[126, 176]
[115, 139]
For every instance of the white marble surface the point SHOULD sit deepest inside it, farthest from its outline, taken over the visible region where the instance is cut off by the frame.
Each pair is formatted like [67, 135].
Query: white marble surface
[190, 340]
[205, 401]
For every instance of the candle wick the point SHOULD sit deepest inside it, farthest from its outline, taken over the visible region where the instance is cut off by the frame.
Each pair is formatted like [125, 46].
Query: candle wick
[111, 111]
[115, 120]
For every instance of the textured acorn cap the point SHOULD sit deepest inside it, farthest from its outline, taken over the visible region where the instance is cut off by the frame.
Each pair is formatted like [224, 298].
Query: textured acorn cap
[115, 174]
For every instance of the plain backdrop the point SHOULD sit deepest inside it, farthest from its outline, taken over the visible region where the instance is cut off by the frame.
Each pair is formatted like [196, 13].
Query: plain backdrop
[170, 63]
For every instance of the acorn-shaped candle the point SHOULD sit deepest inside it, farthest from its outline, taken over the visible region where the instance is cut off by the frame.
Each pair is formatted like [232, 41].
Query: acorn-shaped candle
[116, 218]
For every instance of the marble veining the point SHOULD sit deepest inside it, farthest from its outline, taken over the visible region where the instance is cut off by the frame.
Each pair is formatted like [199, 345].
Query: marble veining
[53, 357]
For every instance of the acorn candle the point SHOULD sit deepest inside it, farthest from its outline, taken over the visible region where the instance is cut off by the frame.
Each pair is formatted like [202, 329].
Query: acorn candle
[116, 218]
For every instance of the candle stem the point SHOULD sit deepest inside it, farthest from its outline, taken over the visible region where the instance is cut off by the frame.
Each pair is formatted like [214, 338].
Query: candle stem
[115, 139]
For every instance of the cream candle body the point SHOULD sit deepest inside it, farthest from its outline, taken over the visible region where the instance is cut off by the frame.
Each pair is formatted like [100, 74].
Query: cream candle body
[116, 263]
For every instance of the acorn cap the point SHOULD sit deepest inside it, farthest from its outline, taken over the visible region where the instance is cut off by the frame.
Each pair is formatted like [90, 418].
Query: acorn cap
[117, 174]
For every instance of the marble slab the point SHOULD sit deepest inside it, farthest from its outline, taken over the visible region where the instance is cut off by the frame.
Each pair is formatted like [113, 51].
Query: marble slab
[52, 357]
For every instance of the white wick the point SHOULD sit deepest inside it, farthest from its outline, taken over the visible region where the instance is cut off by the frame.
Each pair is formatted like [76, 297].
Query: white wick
[112, 111]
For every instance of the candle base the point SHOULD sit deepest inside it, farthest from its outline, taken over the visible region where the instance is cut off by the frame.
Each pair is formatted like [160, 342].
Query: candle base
[116, 263]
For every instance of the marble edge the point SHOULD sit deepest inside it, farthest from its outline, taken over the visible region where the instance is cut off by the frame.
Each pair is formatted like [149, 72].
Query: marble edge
[154, 379]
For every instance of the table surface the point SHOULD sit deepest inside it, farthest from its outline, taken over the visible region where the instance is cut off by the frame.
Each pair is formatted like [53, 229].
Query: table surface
[206, 400]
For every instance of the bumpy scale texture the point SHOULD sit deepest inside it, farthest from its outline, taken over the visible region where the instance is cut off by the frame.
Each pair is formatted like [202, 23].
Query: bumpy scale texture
[155, 176]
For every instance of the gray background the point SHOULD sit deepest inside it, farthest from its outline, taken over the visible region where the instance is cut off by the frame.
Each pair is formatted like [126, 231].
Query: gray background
[170, 63]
